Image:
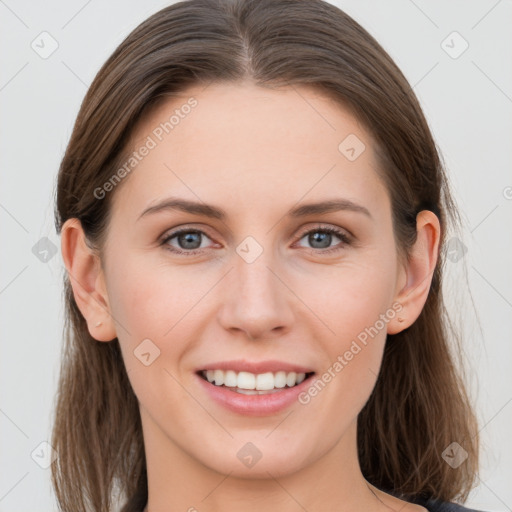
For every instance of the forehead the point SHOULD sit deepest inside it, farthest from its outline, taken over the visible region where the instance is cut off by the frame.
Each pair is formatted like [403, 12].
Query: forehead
[242, 144]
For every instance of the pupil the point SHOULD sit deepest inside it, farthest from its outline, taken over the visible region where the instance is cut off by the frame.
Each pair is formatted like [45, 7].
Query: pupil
[189, 240]
[324, 239]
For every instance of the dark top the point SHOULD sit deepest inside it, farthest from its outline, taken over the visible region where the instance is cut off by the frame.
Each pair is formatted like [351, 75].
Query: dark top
[434, 505]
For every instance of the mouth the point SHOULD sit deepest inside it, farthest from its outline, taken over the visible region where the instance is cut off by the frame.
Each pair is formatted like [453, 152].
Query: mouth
[248, 383]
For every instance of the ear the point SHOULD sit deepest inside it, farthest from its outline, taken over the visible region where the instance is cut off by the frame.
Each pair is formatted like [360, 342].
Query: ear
[87, 280]
[416, 274]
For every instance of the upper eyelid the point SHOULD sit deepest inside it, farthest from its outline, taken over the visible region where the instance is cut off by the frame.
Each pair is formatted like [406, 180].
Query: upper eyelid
[320, 227]
[170, 233]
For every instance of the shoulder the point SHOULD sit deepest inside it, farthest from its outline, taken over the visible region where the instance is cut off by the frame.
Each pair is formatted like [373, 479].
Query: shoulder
[435, 505]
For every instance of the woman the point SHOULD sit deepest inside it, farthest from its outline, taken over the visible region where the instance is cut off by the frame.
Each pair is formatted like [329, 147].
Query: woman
[252, 211]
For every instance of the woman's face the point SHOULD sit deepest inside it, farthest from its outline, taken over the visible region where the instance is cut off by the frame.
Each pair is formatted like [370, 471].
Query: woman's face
[259, 284]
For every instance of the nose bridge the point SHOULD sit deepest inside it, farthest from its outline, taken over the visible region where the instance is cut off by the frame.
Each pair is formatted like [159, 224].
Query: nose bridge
[253, 261]
[256, 301]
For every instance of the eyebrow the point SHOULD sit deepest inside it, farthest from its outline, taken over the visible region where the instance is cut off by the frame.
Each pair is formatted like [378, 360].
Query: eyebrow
[207, 210]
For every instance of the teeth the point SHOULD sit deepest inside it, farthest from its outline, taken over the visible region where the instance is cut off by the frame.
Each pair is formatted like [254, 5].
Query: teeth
[230, 378]
[250, 382]
[218, 376]
[291, 378]
[246, 380]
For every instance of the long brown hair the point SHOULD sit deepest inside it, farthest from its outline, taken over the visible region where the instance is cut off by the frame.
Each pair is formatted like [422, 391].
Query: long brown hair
[419, 405]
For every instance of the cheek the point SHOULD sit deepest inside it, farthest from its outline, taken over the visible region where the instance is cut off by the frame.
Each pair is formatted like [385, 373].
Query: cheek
[151, 299]
[355, 348]
[349, 299]
[353, 304]
[154, 303]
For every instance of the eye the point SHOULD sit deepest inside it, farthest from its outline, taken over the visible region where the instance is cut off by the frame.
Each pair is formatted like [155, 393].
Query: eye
[324, 240]
[189, 241]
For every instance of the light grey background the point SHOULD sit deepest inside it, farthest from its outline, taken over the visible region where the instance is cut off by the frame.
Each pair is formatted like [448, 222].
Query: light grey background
[468, 103]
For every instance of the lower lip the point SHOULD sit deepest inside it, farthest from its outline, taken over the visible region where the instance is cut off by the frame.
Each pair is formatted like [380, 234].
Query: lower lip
[254, 405]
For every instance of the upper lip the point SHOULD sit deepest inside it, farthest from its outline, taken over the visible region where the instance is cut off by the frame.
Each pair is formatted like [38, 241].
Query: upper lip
[256, 367]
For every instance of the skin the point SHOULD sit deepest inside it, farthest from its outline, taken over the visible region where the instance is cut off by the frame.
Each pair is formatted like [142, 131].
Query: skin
[256, 153]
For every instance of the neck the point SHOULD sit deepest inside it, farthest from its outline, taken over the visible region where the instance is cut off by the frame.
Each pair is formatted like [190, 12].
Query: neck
[178, 481]
[146, 509]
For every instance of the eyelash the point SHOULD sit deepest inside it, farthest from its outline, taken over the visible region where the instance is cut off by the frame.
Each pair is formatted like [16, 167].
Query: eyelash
[345, 240]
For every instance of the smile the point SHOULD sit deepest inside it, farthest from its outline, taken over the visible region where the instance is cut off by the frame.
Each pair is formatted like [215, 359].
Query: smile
[254, 384]
[238, 392]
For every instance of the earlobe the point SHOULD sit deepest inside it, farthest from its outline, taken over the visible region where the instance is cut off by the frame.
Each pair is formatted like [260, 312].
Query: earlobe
[87, 280]
[419, 270]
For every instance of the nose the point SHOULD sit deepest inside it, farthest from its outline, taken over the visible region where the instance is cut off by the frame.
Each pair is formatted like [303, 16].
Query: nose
[257, 301]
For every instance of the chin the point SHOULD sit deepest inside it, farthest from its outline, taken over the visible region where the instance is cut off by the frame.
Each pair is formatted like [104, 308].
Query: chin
[254, 457]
